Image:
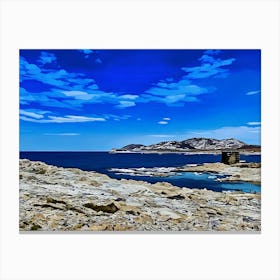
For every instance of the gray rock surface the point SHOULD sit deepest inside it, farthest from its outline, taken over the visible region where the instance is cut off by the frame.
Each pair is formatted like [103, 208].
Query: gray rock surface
[69, 199]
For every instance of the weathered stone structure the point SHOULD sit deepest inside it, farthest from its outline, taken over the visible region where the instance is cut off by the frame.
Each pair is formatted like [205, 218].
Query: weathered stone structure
[230, 157]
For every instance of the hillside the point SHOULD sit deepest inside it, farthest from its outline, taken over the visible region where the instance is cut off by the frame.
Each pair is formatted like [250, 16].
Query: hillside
[192, 144]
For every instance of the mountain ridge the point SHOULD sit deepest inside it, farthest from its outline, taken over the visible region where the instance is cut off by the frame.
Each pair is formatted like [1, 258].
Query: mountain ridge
[191, 144]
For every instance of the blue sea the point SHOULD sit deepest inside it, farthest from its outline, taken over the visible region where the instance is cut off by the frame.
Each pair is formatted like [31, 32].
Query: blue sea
[102, 161]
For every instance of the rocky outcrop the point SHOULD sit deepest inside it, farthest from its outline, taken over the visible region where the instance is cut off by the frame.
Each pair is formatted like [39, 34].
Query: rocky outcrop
[191, 145]
[246, 172]
[69, 199]
[144, 171]
[133, 147]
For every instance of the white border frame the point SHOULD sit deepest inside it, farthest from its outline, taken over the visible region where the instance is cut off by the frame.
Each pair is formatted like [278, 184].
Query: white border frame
[140, 24]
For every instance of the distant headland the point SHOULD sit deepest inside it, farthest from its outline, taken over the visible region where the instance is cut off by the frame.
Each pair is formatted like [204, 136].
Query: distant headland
[192, 145]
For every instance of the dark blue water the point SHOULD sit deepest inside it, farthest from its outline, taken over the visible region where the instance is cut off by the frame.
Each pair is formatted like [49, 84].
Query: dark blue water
[102, 161]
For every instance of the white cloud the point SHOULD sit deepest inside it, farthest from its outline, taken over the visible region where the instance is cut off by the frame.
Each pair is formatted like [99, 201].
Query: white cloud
[46, 58]
[170, 93]
[207, 58]
[174, 93]
[71, 118]
[58, 78]
[164, 121]
[210, 67]
[31, 114]
[65, 119]
[253, 92]
[116, 117]
[86, 51]
[68, 89]
[62, 134]
[170, 98]
[80, 95]
[212, 52]
[248, 134]
[98, 60]
[254, 123]
[40, 116]
[125, 104]
[74, 90]
[128, 96]
[175, 98]
[27, 119]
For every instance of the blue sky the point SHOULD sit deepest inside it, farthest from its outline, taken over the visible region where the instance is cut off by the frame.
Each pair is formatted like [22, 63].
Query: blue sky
[102, 99]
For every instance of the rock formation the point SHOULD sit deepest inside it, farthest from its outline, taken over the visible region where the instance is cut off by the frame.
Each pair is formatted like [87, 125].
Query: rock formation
[69, 199]
[244, 172]
[190, 145]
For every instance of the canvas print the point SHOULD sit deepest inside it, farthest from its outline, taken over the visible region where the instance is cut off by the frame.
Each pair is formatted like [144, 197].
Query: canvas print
[155, 140]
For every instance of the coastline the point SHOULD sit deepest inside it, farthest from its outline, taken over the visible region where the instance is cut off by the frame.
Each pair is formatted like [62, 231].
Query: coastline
[69, 199]
[207, 152]
[239, 172]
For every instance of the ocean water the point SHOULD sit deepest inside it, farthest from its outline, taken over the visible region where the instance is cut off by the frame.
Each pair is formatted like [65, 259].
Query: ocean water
[103, 161]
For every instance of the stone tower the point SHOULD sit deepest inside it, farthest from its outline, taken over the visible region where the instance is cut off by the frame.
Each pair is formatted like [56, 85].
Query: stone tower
[230, 157]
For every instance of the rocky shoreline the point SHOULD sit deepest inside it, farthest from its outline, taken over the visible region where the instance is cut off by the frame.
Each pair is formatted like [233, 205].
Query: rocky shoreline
[239, 172]
[69, 199]
[195, 152]
[245, 172]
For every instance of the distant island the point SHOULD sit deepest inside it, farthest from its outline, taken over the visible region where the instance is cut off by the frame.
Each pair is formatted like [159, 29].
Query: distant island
[193, 145]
